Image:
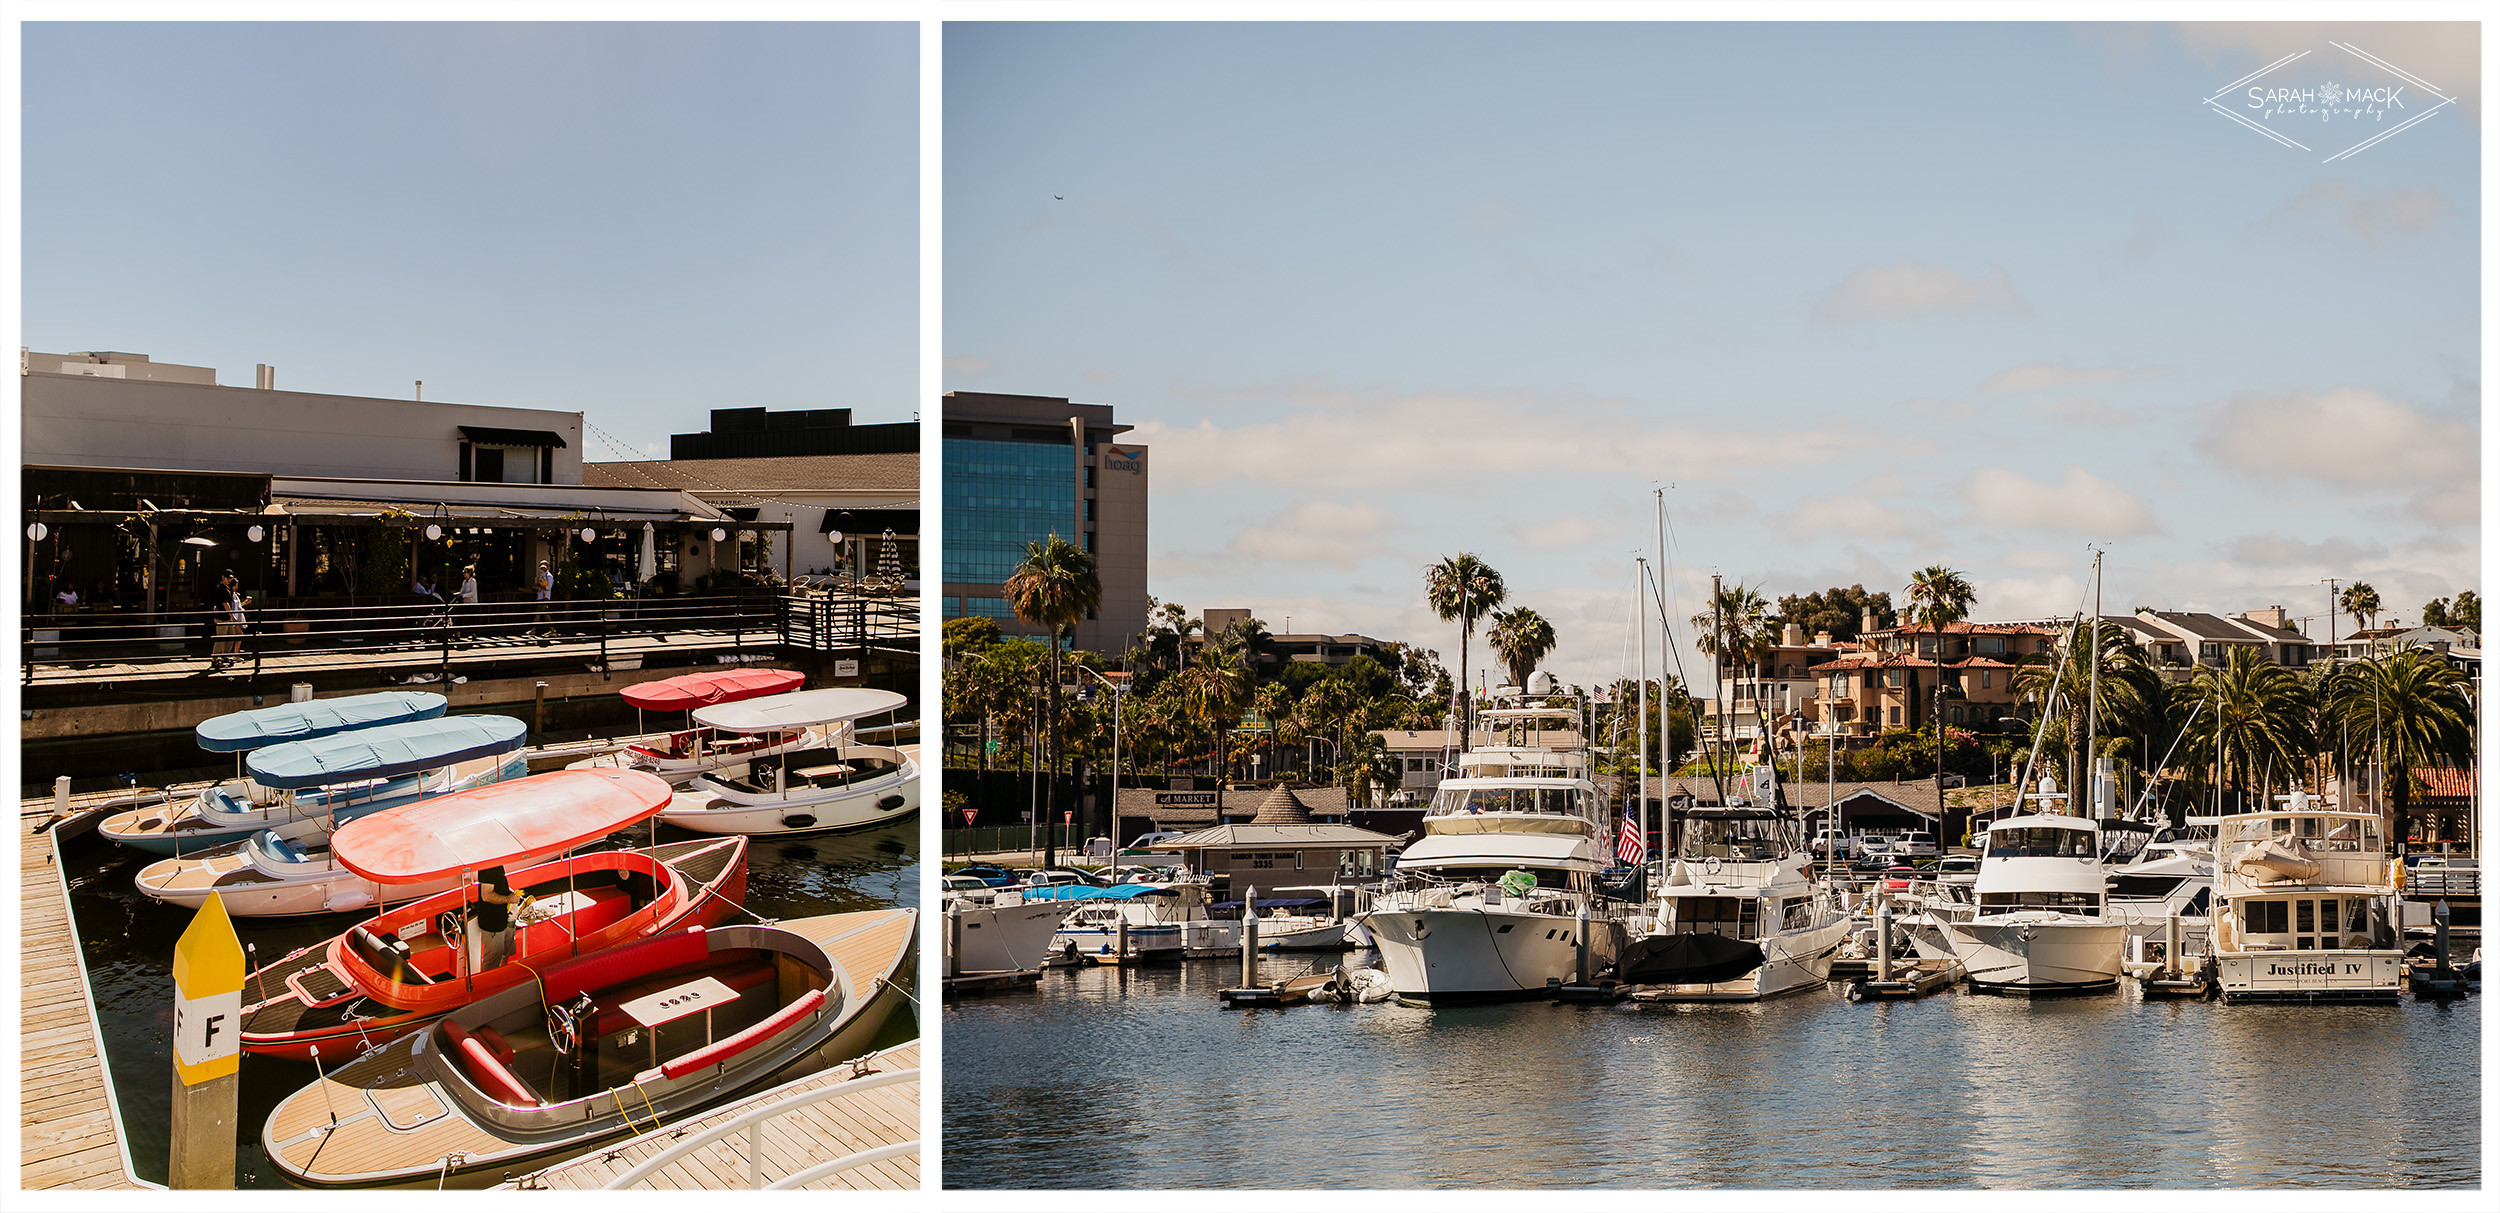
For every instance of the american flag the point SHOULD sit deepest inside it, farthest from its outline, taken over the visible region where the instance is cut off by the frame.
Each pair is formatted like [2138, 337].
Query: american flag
[1628, 848]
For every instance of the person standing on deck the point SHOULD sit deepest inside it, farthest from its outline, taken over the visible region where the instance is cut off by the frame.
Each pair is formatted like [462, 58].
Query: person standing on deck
[230, 629]
[546, 583]
[468, 586]
[492, 921]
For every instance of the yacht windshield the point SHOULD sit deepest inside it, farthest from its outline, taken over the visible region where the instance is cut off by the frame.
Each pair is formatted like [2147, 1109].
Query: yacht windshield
[2039, 842]
[1730, 838]
[1561, 801]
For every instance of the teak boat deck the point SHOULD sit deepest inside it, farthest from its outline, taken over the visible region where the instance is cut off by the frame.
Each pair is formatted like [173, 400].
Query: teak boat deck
[68, 1137]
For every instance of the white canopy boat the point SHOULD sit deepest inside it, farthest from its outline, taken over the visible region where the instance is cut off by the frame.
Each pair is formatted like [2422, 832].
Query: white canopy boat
[830, 786]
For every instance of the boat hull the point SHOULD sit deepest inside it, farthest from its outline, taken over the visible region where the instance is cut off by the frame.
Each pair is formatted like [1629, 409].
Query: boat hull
[2045, 955]
[2342, 975]
[1790, 962]
[1440, 956]
[1001, 939]
[870, 802]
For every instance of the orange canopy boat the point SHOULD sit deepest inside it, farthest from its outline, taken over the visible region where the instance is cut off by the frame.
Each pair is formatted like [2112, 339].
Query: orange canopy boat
[401, 969]
[686, 692]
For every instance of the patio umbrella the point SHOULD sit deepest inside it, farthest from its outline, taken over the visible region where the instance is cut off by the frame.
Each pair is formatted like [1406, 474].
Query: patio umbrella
[647, 564]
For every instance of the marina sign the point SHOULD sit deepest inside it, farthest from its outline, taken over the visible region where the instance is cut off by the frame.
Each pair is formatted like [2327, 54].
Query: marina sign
[1184, 799]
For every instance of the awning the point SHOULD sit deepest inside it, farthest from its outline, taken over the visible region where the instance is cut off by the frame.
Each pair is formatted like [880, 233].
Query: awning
[320, 718]
[496, 437]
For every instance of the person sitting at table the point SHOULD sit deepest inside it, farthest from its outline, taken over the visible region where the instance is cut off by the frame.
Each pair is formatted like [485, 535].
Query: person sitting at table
[68, 597]
[423, 587]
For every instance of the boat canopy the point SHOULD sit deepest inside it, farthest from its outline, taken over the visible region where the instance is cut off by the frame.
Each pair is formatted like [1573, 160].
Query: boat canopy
[317, 718]
[392, 749]
[1566, 851]
[686, 692]
[798, 710]
[1086, 892]
[483, 827]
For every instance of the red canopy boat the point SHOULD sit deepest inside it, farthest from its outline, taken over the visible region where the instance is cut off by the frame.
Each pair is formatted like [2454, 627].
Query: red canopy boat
[395, 972]
[686, 692]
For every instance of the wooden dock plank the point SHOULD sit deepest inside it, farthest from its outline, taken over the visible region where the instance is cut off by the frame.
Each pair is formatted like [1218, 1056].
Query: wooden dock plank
[791, 1143]
[67, 1135]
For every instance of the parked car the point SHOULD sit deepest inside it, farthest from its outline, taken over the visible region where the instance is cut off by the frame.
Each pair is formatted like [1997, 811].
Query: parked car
[1070, 876]
[1832, 844]
[996, 878]
[1897, 878]
[1871, 865]
[1917, 844]
[1874, 844]
[958, 883]
[1034, 878]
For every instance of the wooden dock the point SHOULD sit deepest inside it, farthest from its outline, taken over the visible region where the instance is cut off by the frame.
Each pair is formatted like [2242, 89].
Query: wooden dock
[792, 1143]
[69, 1129]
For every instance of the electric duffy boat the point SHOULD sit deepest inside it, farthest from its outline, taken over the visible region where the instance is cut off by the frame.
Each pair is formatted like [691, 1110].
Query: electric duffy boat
[289, 869]
[612, 1043]
[392, 973]
[828, 786]
[2307, 906]
[681, 756]
[1499, 894]
[2037, 926]
[1739, 916]
[234, 809]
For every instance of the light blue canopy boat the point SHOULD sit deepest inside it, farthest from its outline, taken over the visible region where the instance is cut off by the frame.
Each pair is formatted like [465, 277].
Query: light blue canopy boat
[380, 753]
[315, 719]
[1087, 892]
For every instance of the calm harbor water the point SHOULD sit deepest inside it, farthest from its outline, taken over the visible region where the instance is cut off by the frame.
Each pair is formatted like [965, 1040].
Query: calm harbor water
[128, 941]
[1110, 1078]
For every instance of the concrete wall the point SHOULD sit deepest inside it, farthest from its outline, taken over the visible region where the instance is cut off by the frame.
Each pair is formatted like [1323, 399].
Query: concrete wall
[1120, 490]
[79, 420]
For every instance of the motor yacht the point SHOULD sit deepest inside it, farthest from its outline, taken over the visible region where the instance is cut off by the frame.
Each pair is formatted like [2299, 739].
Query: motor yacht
[1739, 916]
[2306, 907]
[2037, 923]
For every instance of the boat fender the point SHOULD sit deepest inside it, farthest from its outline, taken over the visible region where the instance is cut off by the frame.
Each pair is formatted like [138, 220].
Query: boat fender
[341, 902]
[890, 803]
[798, 821]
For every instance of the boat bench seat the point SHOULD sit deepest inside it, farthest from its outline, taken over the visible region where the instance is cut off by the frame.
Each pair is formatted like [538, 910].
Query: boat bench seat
[722, 1050]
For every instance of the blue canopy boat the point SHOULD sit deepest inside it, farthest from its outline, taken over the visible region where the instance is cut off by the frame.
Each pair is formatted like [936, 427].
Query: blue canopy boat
[240, 731]
[333, 779]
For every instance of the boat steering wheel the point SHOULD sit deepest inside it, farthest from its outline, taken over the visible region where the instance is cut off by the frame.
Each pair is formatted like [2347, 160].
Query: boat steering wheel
[448, 922]
[563, 1031]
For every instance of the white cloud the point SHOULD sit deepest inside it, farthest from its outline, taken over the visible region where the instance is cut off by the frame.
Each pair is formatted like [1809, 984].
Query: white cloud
[2082, 503]
[1339, 534]
[1914, 288]
[2347, 436]
[2041, 376]
[2082, 410]
[2286, 552]
[2456, 504]
[2026, 597]
[2381, 218]
[1854, 514]
[1340, 442]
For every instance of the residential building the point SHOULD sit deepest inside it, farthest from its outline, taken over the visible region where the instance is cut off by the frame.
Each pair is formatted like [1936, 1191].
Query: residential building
[1022, 468]
[755, 433]
[2180, 639]
[1889, 680]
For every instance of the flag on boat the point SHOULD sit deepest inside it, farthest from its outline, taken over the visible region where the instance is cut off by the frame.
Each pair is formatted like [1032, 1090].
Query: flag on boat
[1628, 849]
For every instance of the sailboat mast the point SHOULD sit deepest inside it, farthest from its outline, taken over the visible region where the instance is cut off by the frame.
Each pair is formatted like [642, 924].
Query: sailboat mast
[1640, 723]
[1664, 765]
[2092, 705]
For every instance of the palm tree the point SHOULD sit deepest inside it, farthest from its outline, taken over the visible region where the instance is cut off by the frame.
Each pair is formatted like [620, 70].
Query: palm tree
[1057, 586]
[1938, 596]
[1368, 764]
[2412, 709]
[2255, 722]
[1522, 638]
[2133, 703]
[2360, 601]
[1739, 617]
[1211, 690]
[1463, 589]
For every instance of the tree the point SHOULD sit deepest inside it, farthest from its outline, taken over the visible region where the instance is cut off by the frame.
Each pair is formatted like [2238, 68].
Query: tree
[1834, 610]
[1211, 690]
[2133, 703]
[2360, 601]
[1939, 596]
[1055, 587]
[2467, 613]
[1463, 589]
[1522, 638]
[1368, 766]
[2255, 723]
[2409, 709]
[970, 634]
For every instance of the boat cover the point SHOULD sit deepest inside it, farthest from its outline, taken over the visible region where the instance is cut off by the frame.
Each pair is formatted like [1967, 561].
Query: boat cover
[686, 692]
[1083, 892]
[318, 718]
[482, 827]
[797, 710]
[1685, 959]
[379, 753]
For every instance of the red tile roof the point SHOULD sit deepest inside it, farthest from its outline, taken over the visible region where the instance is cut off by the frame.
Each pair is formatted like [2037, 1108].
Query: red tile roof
[2458, 782]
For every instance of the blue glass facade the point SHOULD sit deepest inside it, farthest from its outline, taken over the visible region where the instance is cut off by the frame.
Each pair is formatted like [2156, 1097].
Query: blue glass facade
[1000, 496]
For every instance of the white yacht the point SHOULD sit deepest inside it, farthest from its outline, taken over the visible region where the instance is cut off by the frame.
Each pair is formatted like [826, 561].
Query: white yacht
[2307, 904]
[2037, 922]
[1739, 916]
[1153, 922]
[827, 786]
[1495, 898]
[1000, 933]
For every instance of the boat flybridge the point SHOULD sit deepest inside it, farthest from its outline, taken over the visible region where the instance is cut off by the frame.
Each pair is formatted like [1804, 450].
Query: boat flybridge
[833, 785]
[1499, 895]
[1739, 916]
[2307, 907]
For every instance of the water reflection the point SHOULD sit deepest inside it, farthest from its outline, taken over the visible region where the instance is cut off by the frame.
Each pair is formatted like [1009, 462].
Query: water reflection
[1139, 1079]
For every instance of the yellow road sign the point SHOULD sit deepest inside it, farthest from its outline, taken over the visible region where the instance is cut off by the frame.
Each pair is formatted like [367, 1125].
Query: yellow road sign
[208, 996]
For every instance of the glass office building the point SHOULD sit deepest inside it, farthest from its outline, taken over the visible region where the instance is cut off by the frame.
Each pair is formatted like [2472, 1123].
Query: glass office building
[1012, 478]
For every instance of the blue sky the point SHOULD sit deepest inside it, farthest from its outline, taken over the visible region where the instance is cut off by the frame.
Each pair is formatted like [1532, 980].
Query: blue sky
[1868, 297]
[642, 222]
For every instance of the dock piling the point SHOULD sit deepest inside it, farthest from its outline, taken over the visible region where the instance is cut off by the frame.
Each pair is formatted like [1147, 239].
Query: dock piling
[1883, 939]
[208, 1014]
[1250, 938]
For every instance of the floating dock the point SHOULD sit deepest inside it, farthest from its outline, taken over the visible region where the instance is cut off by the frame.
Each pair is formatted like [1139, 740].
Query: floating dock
[69, 1129]
[878, 1120]
[985, 983]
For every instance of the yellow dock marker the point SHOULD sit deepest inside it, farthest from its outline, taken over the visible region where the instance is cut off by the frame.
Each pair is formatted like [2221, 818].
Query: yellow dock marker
[208, 1040]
